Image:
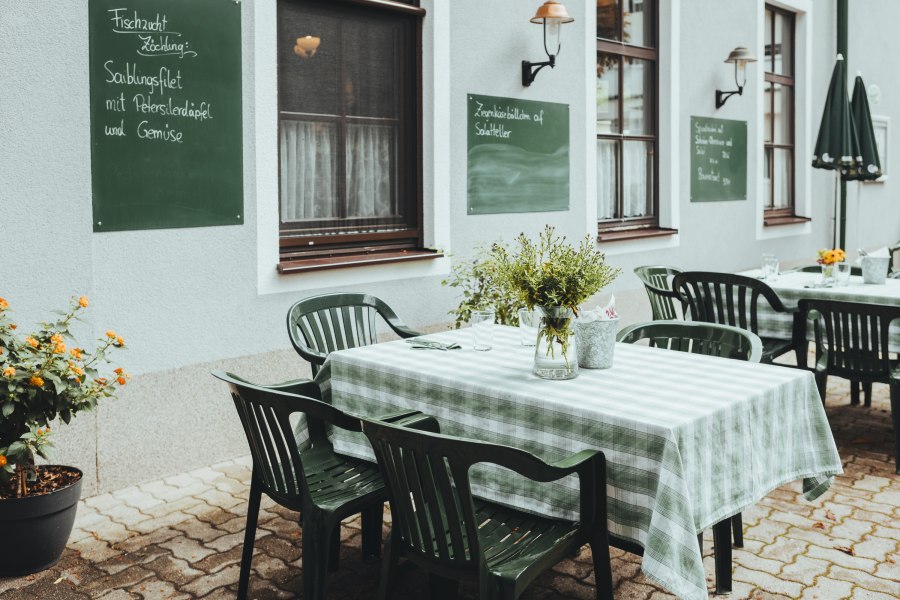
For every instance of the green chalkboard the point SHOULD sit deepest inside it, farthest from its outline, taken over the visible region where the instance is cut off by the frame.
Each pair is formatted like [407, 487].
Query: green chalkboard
[718, 159]
[518, 155]
[166, 140]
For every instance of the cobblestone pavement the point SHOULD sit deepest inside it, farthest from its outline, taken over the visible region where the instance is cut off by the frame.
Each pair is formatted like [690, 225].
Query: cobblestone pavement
[181, 538]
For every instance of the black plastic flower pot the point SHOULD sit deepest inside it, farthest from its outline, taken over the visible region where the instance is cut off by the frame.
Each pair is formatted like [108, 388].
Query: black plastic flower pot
[35, 529]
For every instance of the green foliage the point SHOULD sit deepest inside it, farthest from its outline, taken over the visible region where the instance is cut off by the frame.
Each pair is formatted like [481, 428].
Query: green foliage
[482, 289]
[552, 272]
[43, 376]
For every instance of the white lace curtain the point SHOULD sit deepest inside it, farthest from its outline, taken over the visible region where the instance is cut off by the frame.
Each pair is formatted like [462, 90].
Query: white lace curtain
[635, 176]
[309, 171]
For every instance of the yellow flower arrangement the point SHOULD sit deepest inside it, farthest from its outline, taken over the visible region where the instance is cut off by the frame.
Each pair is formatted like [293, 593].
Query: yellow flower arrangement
[830, 257]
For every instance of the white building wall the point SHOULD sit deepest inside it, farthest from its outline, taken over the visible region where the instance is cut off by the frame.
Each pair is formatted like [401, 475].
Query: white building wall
[190, 300]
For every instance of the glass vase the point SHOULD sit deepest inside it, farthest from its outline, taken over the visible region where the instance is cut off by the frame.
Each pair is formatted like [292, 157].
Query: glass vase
[555, 355]
[828, 274]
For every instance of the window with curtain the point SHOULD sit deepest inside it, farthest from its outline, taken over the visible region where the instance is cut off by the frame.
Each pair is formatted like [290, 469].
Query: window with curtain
[627, 92]
[778, 105]
[348, 100]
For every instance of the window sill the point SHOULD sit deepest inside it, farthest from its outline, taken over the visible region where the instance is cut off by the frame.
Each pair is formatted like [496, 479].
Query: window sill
[634, 234]
[786, 220]
[355, 260]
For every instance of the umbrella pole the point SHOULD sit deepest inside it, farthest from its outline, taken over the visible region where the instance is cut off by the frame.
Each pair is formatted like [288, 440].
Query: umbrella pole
[837, 200]
[843, 185]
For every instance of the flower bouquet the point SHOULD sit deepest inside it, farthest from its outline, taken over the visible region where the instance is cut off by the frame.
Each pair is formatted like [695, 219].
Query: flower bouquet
[828, 258]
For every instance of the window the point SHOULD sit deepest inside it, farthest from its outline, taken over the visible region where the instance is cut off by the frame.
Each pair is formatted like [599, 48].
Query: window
[627, 144]
[779, 113]
[349, 132]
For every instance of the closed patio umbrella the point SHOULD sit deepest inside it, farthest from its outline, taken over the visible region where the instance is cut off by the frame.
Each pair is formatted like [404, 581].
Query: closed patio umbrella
[870, 167]
[837, 146]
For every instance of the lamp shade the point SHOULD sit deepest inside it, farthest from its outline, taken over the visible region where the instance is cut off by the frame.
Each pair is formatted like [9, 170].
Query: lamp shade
[306, 46]
[740, 55]
[551, 10]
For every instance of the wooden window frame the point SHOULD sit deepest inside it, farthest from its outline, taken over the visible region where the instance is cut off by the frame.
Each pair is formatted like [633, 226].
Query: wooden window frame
[777, 216]
[622, 51]
[343, 245]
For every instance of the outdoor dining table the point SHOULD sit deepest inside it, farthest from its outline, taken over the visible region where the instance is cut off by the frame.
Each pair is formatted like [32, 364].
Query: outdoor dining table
[689, 439]
[793, 286]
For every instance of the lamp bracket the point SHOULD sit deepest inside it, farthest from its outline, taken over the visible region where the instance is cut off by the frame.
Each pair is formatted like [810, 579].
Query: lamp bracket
[531, 69]
[722, 97]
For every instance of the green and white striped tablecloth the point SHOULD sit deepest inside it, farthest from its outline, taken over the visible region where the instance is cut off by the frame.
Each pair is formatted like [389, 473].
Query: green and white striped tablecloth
[791, 287]
[689, 439]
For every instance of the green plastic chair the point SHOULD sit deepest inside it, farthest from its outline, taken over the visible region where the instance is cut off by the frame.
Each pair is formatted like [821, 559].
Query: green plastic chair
[324, 486]
[438, 526]
[852, 341]
[700, 338]
[712, 340]
[322, 324]
[729, 299]
[657, 283]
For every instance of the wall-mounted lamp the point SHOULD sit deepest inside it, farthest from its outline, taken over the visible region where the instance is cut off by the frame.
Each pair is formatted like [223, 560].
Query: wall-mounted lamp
[306, 46]
[740, 56]
[551, 15]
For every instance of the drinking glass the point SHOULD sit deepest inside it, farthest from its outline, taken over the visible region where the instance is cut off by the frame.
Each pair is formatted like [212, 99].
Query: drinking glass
[842, 274]
[769, 267]
[482, 322]
[529, 321]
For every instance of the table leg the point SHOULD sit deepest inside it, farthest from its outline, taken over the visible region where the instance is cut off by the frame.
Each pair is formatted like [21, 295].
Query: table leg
[722, 541]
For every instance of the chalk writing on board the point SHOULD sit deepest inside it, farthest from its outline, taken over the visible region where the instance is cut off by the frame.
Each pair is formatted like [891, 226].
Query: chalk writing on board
[718, 159]
[148, 108]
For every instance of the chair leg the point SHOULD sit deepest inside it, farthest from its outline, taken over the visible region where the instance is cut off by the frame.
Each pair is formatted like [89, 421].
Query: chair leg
[801, 344]
[821, 383]
[334, 552]
[722, 541]
[700, 542]
[895, 417]
[372, 519]
[737, 530]
[867, 388]
[388, 569]
[854, 393]
[249, 538]
[316, 552]
[602, 565]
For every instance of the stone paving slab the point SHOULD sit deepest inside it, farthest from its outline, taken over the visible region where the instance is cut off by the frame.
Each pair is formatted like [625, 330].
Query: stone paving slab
[180, 538]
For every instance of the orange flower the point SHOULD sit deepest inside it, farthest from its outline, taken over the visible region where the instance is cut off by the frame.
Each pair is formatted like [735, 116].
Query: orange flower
[101, 380]
[122, 380]
[9, 372]
[36, 381]
[40, 432]
[59, 349]
[75, 352]
[120, 341]
[83, 302]
[119, 371]
[110, 334]
[13, 326]
[31, 342]
[3, 303]
[1, 351]
[2, 461]
[56, 338]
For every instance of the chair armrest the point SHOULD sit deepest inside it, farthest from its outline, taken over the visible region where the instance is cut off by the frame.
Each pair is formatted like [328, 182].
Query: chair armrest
[572, 463]
[300, 387]
[404, 332]
[417, 420]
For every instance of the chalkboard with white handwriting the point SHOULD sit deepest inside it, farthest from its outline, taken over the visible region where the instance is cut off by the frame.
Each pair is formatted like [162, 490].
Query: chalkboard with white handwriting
[518, 155]
[718, 159]
[166, 139]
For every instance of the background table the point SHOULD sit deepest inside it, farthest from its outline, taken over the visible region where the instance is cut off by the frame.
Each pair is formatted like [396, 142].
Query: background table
[689, 439]
[791, 287]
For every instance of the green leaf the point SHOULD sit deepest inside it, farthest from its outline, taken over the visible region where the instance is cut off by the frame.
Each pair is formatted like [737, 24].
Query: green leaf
[8, 408]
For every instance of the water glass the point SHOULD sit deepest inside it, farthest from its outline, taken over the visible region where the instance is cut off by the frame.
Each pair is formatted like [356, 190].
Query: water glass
[482, 322]
[769, 267]
[842, 274]
[529, 321]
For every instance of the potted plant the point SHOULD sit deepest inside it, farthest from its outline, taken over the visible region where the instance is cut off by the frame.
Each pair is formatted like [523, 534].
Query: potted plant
[43, 376]
[555, 277]
[482, 288]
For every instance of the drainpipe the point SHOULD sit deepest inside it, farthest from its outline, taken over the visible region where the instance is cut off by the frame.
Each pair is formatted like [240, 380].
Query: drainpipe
[843, 14]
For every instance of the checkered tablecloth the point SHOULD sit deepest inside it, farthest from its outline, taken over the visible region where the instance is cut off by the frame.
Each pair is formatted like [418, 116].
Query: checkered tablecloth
[791, 287]
[689, 439]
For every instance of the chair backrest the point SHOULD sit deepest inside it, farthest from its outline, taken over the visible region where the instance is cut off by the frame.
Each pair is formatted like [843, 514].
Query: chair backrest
[265, 415]
[699, 338]
[724, 298]
[427, 477]
[322, 324]
[856, 336]
[657, 283]
[894, 253]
